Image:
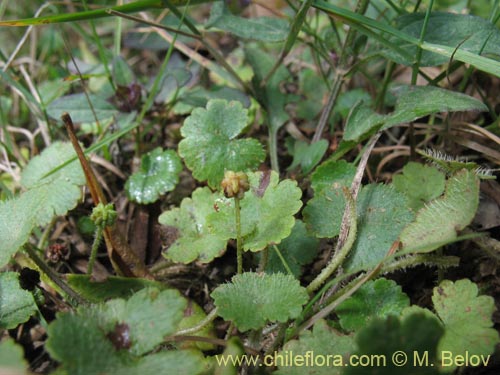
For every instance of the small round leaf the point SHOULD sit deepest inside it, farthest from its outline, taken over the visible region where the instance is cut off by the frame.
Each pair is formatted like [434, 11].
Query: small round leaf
[159, 173]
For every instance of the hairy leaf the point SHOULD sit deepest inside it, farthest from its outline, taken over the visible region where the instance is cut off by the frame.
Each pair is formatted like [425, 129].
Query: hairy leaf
[16, 304]
[50, 192]
[117, 333]
[210, 146]
[55, 192]
[379, 298]
[382, 214]
[150, 314]
[16, 223]
[251, 300]
[323, 342]
[419, 101]
[437, 223]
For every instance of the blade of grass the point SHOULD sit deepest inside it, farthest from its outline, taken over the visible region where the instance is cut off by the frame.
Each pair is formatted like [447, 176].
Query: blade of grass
[291, 38]
[100, 49]
[356, 20]
[136, 6]
[340, 74]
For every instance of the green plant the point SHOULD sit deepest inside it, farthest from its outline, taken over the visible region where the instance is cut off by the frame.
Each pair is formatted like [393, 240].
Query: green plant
[281, 195]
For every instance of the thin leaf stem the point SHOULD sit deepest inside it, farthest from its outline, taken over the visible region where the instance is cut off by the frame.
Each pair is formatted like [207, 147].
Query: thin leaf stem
[239, 242]
[341, 73]
[201, 324]
[283, 261]
[95, 247]
[340, 255]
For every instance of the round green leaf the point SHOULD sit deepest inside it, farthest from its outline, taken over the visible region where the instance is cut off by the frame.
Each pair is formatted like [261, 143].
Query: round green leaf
[298, 249]
[111, 337]
[12, 358]
[379, 298]
[392, 340]
[467, 319]
[323, 342]
[194, 240]
[267, 212]
[210, 146]
[251, 299]
[159, 173]
[420, 183]
[16, 304]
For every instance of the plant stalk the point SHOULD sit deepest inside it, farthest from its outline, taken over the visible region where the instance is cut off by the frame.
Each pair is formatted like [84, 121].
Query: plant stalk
[239, 242]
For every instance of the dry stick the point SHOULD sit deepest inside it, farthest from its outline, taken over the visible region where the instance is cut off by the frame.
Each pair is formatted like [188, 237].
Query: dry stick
[348, 226]
[124, 260]
[183, 48]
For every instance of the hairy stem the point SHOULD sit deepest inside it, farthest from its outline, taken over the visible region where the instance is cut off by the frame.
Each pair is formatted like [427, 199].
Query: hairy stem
[340, 255]
[239, 242]
[93, 251]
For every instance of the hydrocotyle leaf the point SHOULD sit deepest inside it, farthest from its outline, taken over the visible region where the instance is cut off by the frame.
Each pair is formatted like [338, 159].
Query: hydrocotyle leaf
[158, 173]
[332, 173]
[379, 298]
[438, 222]
[396, 343]
[251, 299]
[308, 155]
[210, 146]
[322, 342]
[298, 249]
[467, 322]
[16, 304]
[267, 212]
[420, 183]
[194, 240]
